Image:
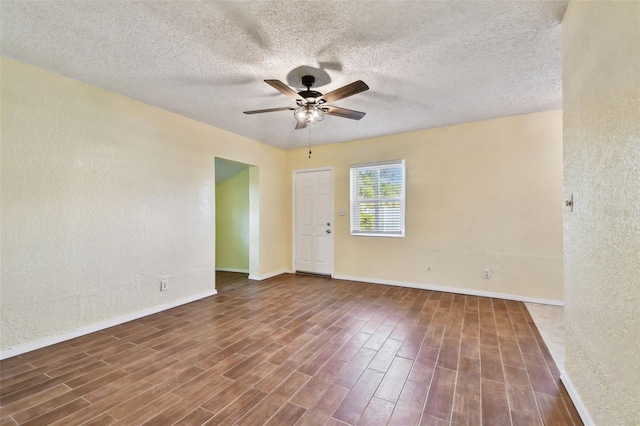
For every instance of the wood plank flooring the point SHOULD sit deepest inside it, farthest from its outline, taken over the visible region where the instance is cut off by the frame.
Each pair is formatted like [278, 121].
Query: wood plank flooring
[298, 350]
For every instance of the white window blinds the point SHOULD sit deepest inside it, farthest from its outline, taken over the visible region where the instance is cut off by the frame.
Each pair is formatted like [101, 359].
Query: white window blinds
[377, 199]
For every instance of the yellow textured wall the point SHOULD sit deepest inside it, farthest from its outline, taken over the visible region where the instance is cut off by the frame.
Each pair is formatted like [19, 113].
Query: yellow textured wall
[601, 102]
[103, 196]
[479, 195]
[232, 223]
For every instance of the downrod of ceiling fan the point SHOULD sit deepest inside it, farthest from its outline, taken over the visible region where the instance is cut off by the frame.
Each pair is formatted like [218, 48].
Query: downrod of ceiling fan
[309, 95]
[308, 81]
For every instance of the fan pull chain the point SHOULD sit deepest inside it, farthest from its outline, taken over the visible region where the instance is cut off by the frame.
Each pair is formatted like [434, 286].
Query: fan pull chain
[309, 140]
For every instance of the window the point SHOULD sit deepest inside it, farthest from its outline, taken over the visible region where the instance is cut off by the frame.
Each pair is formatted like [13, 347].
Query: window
[377, 199]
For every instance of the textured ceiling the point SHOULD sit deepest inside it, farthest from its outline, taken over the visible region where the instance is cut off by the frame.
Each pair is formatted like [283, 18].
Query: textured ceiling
[428, 63]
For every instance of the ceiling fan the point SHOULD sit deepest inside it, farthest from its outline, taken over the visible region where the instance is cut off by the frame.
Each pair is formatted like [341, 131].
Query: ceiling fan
[311, 105]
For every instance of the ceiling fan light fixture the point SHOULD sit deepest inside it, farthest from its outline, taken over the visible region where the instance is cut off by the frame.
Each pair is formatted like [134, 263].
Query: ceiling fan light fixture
[308, 114]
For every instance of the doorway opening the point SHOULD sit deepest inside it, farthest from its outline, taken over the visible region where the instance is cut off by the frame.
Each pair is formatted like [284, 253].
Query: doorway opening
[237, 215]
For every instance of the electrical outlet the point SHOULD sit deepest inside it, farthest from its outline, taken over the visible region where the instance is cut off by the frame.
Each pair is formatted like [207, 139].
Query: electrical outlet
[486, 274]
[164, 285]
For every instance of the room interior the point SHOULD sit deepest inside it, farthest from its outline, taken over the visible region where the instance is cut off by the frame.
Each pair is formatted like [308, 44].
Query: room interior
[112, 130]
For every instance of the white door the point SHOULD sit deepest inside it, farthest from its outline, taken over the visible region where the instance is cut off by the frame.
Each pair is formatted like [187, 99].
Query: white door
[314, 221]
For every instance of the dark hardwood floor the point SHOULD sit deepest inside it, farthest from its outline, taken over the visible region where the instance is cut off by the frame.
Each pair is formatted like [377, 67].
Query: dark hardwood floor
[298, 350]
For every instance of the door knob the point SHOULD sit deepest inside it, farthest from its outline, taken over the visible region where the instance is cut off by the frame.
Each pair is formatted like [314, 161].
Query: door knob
[328, 231]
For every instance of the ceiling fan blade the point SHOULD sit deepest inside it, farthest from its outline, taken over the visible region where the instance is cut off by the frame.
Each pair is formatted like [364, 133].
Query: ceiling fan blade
[345, 91]
[343, 112]
[260, 111]
[301, 125]
[284, 89]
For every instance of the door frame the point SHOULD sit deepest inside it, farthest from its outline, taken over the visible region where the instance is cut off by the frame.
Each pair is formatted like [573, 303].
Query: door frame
[293, 214]
[254, 217]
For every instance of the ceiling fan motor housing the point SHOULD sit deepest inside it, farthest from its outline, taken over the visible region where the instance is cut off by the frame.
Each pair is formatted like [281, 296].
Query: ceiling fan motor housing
[310, 95]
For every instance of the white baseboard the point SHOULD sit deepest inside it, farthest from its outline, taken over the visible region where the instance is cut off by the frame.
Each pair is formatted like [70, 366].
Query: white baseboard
[242, 271]
[454, 290]
[48, 341]
[269, 275]
[577, 401]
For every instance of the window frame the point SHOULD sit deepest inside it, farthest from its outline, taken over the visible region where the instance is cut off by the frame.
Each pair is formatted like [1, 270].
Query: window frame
[353, 170]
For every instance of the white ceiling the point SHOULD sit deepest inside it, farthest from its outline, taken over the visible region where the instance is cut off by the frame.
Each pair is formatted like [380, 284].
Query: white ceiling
[428, 63]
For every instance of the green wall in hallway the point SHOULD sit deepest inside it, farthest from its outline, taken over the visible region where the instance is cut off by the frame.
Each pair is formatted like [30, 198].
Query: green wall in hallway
[232, 223]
